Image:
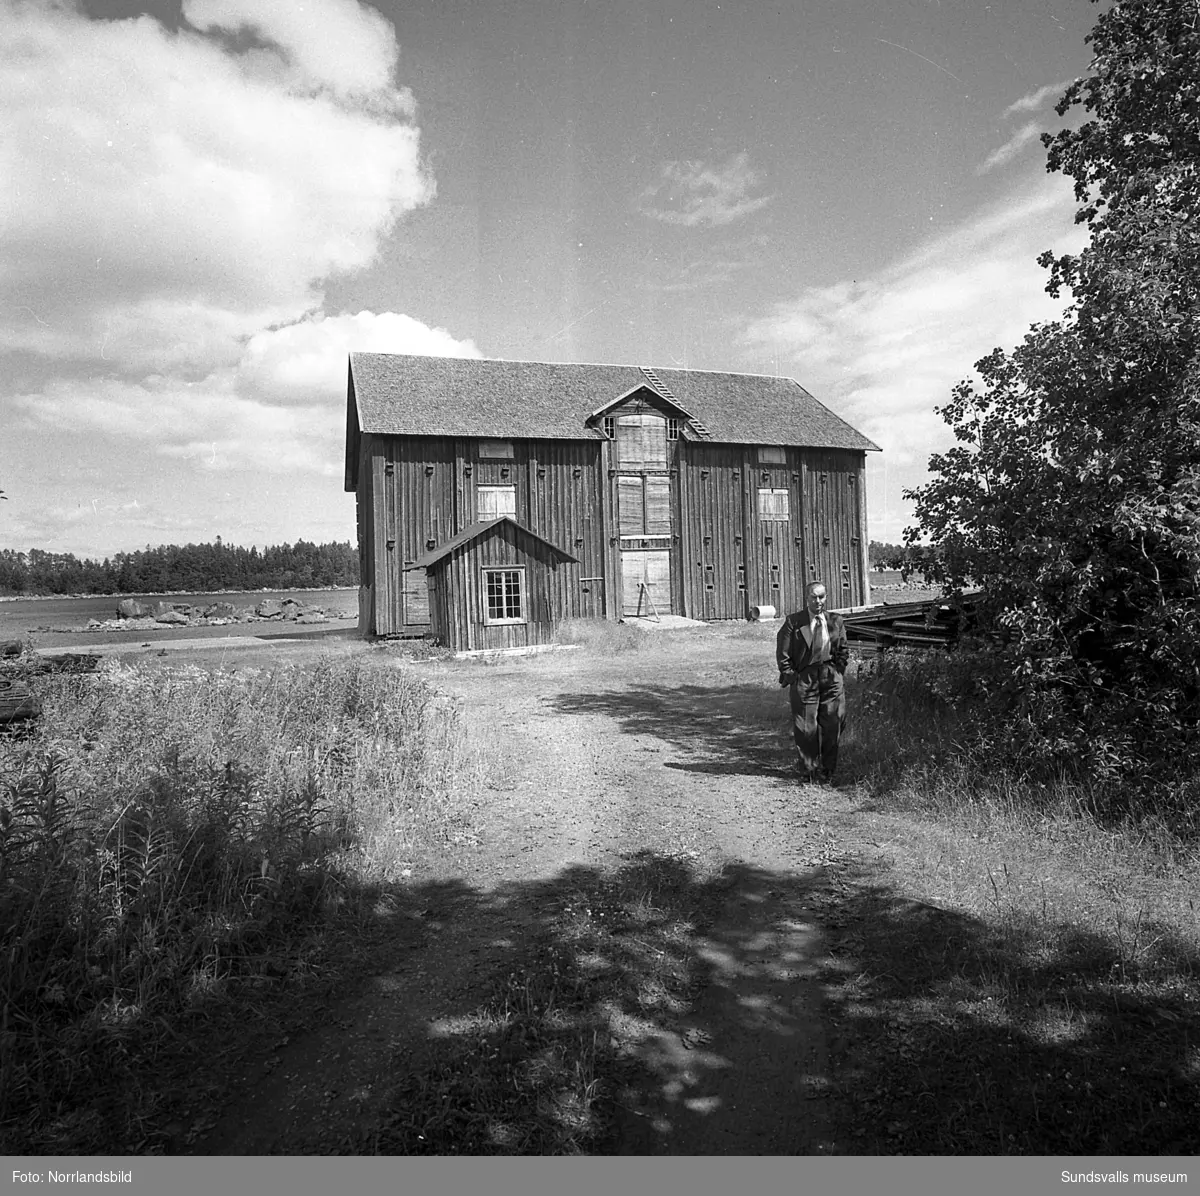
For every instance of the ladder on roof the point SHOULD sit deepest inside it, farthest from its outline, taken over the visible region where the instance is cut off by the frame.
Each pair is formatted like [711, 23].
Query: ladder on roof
[667, 393]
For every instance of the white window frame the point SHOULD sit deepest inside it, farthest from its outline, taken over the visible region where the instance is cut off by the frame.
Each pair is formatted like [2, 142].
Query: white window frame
[769, 512]
[506, 490]
[514, 571]
[495, 450]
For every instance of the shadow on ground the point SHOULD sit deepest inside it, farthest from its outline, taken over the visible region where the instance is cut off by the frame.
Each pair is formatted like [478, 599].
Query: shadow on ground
[656, 1010]
[732, 729]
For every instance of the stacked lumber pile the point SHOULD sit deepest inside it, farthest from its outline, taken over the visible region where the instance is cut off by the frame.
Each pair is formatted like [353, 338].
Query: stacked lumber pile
[932, 623]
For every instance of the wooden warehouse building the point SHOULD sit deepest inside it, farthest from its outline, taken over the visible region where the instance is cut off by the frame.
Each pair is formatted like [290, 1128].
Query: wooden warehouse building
[700, 493]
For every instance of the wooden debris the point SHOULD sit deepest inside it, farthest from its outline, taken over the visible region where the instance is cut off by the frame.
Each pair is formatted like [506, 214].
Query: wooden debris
[933, 623]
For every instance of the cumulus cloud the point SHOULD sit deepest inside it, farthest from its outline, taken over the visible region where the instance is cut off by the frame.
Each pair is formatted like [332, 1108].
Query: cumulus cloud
[270, 411]
[337, 45]
[885, 350]
[306, 362]
[1011, 148]
[174, 203]
[694, 194]
[166, 197]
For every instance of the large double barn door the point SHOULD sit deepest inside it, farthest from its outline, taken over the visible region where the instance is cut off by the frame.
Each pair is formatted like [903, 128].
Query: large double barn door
[646, 582]
[644, 525]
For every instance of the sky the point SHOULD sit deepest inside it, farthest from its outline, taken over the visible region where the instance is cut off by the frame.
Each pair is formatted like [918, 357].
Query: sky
[205, 206]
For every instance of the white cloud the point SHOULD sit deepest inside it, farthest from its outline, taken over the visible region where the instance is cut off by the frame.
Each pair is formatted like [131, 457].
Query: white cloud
[306, 362]
[885, 350]
[336, 44]
[279, 409]
[694, 193]
[1035, 99]
[1011, 148]
[165, 197]
[172, 206]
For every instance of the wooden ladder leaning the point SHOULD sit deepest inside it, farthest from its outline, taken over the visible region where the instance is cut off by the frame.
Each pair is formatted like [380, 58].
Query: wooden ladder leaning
[643, 588]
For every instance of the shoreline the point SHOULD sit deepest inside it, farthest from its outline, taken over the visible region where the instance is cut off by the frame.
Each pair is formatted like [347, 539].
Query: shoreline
[118, 595]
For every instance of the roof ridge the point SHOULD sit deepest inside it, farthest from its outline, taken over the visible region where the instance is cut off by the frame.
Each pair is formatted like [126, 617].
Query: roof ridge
[616, 365]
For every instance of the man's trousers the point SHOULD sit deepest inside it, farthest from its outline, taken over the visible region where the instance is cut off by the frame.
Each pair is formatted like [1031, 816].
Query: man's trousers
[818, 702]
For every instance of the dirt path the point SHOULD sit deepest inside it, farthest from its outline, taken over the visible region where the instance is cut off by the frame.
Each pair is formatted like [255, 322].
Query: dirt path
[591, 762]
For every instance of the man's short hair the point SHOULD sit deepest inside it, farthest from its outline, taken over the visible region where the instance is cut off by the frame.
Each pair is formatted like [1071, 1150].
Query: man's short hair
[812, 585]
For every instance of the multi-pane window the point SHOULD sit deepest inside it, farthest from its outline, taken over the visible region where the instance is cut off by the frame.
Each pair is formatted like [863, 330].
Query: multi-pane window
[504, 595]
[610, 427]
[772, 454]
[493, 449]
[672, 428]
[494, 501]
[773, 506]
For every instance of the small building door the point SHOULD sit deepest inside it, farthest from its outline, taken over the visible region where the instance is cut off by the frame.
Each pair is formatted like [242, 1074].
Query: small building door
[651, 569]
[416, 598]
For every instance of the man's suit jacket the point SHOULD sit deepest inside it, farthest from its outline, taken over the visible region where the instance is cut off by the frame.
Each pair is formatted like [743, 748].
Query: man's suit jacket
[794, 640]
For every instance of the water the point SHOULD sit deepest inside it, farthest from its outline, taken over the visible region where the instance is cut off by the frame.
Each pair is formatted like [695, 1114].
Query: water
[22, 616]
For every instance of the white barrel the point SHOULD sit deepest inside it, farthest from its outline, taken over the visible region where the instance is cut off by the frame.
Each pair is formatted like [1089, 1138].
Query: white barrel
[761, 613]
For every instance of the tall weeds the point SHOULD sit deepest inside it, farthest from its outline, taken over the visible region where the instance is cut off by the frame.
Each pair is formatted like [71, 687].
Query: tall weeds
[951, 728]
[166, 836]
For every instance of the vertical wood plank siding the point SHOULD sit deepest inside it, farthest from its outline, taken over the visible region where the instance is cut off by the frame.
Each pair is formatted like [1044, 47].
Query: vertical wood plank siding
[387, 573]
[565, 506]
[712, 525]
[778, 548]
[724, 556]
[365, 517]
[458, 606]
[833, 482]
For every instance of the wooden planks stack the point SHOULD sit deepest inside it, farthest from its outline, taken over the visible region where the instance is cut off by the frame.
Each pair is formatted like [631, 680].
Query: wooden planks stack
[932, 623]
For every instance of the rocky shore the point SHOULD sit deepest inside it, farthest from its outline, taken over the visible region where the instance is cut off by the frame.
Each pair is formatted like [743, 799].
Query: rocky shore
[132, 615]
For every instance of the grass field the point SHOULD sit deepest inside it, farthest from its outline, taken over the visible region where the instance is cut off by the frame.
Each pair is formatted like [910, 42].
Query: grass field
[176, 841]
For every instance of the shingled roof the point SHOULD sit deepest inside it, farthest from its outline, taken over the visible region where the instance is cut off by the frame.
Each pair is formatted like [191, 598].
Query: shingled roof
[474, 530]
[402, 394]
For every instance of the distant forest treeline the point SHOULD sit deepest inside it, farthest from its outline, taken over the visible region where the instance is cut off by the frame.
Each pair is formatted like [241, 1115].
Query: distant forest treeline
[192, 568]
[912, 557]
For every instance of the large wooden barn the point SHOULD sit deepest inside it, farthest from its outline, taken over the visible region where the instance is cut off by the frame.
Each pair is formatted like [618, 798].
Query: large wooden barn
[690, 492]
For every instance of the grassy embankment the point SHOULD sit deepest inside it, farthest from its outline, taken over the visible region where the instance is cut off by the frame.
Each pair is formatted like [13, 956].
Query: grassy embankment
[183, 850]
[1021, 955]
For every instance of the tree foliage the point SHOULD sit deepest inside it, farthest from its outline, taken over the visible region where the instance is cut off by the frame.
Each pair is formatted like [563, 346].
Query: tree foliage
[191, 568]
[1073, 494]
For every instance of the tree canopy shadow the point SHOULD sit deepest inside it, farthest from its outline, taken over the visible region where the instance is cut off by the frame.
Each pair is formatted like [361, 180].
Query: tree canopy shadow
[658, 1009]
[730, 730]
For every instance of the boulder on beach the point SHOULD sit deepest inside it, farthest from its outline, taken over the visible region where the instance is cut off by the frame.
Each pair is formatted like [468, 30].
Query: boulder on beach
[129, 608]
[293, 609]
[312, 616]
[220, 610]
[174, 617]
[269, 608]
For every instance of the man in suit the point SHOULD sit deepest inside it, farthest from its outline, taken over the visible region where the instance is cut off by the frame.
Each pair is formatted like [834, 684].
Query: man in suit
[812, 653]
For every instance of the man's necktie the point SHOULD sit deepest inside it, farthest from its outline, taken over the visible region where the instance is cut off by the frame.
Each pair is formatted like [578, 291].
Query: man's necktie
[818, 638]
